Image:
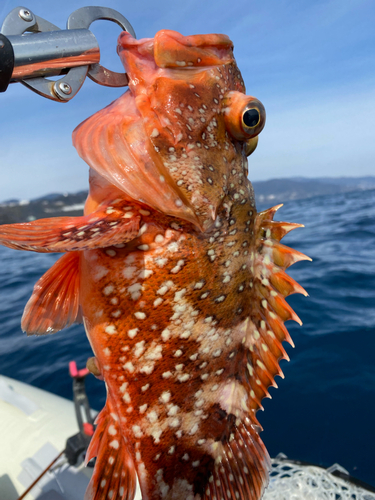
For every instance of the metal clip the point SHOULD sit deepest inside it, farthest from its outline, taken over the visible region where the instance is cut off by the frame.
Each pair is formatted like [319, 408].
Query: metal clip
[83, 18]
[49, 51]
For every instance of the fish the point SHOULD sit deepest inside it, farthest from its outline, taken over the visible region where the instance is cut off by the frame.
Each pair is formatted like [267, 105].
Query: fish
[180, 283]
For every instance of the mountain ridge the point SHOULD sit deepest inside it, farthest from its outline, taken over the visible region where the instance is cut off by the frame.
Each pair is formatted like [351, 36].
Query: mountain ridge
[272, 191]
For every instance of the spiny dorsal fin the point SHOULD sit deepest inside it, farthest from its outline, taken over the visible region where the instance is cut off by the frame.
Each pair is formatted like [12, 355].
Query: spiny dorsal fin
[266, 331]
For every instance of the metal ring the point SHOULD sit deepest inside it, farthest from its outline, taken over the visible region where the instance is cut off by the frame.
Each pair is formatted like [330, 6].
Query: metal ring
[83, 18]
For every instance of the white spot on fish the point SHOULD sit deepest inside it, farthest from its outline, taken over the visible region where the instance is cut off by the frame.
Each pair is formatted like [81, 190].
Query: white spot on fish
[142, 230]
[156, 435]
[185, 335]
[132, 333]
[112, 430]
[165, 397]
[128, 272]
[137, 431]
[129, 367]
[175, 423]
[145, 273]
[194, 429]
[100, 272]
[179, 295]
[165, 334]
[111, 329]
[152, 416]
[159, 238]
[139, 349]
[108, 289]
[160, 262]
[140, 315]
[123, 387]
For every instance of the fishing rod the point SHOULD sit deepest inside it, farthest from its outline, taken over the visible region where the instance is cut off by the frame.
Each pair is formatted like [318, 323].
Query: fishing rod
[33, 49]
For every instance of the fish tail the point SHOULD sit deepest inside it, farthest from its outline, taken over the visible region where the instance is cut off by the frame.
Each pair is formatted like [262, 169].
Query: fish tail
[114, 474]
[241, 467]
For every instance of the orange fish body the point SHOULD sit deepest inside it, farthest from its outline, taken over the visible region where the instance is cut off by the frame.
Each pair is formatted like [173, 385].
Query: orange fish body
[180, 283]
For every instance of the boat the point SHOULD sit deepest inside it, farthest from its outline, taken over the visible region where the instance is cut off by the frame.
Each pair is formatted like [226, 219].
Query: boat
[44, 437]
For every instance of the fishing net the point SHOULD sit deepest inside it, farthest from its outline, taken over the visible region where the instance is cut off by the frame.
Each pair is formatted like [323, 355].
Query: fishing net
[293, 481]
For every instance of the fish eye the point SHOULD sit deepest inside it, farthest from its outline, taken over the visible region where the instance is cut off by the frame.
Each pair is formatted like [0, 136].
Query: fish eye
[244, 115]
[251, 117]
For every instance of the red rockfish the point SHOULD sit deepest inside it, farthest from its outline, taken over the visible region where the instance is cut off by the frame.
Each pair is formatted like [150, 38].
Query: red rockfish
[179, 282]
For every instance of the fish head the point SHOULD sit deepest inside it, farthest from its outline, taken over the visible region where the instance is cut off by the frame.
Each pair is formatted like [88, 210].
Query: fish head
[184, 124]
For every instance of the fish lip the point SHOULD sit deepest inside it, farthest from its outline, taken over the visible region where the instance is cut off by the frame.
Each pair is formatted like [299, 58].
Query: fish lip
[202, 50]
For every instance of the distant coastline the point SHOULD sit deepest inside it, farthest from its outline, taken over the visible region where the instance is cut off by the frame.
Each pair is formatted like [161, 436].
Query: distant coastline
[270, 192]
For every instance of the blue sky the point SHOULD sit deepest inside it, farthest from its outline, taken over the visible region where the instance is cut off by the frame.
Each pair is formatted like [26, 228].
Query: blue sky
[311, 63]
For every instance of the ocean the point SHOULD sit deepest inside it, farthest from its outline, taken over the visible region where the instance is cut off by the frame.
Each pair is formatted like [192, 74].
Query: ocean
[324, 410]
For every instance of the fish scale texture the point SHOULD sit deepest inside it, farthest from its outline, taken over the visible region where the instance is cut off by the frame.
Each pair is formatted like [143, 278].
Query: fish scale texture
[181, 283]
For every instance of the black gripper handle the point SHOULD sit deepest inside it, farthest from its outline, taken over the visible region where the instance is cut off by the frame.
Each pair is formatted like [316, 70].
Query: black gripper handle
[6, 62]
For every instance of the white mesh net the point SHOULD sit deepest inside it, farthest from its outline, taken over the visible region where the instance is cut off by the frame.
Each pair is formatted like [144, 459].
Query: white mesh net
[290, 481]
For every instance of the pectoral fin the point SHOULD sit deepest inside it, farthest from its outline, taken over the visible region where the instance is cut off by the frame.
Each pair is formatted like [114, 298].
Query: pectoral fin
[105, 227]
[54, 303]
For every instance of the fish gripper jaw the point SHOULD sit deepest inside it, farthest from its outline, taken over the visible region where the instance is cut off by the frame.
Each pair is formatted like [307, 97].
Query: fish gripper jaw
[47, 50]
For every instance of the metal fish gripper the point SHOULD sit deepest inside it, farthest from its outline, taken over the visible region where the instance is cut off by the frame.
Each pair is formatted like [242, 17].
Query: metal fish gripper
[33, 49]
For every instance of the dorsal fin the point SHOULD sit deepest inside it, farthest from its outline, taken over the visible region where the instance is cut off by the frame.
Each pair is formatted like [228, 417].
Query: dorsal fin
[266, 330]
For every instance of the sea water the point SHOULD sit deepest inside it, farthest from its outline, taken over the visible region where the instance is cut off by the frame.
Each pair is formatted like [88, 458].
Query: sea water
[324, 410]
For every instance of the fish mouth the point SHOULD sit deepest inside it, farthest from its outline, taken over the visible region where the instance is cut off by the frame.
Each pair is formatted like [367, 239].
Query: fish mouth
[170, 49]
